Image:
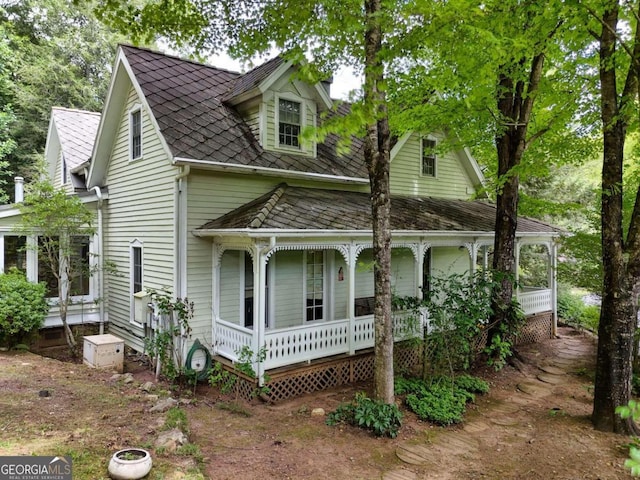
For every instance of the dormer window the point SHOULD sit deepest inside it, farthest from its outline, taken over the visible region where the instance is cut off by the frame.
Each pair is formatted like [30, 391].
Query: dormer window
[429, 157]
[289, 123]
[135, 133]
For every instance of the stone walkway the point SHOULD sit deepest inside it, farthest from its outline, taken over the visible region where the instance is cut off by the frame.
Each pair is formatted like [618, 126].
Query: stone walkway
[502, 415]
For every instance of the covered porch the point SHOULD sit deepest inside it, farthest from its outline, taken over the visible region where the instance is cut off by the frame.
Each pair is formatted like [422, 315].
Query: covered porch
[290, 295]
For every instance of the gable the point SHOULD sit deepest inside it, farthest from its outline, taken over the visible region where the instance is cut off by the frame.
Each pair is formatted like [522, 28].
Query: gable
[456, 174]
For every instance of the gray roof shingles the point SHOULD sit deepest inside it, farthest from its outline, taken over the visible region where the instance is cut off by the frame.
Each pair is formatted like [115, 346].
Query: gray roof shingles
[187, 97]
[77, 133]
[314, 209]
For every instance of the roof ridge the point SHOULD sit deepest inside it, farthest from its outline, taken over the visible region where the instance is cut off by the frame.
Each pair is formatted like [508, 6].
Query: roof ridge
[182, 59]
[268, 206]
[77, 110]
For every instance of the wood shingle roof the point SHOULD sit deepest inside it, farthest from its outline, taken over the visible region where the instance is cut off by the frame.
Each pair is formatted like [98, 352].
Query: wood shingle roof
[187, 100]
[297, 208]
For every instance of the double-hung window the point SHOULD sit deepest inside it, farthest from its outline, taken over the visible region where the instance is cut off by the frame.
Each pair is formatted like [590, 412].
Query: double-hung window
[135, 133]
[136, 268]
[429, 157]
[289, 122]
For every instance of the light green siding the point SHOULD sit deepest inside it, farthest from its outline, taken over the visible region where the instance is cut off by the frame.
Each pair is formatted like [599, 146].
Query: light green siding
[140, 207]
[341, 293]
[451, 180]
[288, 289]
[447, 261]
[364, 274]
[230, 288]
[403, 278]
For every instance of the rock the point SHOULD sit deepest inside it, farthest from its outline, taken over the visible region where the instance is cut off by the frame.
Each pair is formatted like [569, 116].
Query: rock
[317, 412]
[115, 377]
[44, 393]
[128, 378]
[163, 405]
[171, 440]
[147, 387]
[152, 398]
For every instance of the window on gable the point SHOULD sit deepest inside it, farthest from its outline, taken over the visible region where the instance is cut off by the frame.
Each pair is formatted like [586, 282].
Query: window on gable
[315, 285]
[289, 123]
[65, 172]
[429, 157]
[135, 132]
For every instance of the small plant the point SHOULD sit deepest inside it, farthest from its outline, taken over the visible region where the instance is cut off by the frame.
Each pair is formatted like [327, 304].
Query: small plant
[383, 419]
[498, 352]
[471, 384]
[176, 418]
[221, 378]
[632, 410]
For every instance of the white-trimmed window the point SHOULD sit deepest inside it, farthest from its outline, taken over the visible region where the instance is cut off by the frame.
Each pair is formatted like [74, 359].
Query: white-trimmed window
[289, 123]
[64, 172]
[135, 132]
[314, 285]
[428, 164]
[136, 267]
[14, 253]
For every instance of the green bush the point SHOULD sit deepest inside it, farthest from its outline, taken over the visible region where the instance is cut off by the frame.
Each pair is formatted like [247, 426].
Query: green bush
[570, 306]
[23, 307]
[443, 401]
[381, 418]
[590, 317]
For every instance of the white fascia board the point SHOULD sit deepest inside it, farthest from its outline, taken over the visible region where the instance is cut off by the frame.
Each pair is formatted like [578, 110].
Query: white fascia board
[268, 82]
[272, 172]
[51, 153]
[10, 212]
[112, 95]
[399, 144]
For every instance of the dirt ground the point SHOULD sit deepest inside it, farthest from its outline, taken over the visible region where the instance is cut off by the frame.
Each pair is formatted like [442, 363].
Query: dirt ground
[523, 428]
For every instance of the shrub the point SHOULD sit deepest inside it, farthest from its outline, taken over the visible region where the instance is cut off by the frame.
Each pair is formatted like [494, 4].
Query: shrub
[443, 401]
[570, 306]
[381, 418]
[23, 307]
[590, 317]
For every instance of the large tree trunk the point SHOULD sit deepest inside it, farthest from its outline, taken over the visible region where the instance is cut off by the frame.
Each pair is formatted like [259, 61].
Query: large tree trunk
[515, 105]
[620, 262]
[377, 157]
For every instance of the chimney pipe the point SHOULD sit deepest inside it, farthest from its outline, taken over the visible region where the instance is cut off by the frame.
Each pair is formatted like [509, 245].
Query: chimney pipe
[19, 181]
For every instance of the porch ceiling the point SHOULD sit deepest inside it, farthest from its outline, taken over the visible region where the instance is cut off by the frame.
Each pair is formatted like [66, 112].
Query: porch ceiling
[308, 209]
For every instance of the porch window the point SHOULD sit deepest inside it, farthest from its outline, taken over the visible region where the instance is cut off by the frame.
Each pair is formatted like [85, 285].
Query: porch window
[49, 251]
[428, 157]
[15, 253]
[289, 123]
[314, 285]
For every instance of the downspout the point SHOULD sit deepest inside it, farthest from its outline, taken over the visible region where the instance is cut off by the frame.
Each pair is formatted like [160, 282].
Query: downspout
[180, 251]
[101, 259]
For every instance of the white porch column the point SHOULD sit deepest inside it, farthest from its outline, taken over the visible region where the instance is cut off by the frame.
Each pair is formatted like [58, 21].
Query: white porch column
[485, 257]
[216, 256]
[472, 248]
[419, 270]
[351, 297]
[1, 253]
[32, 258]
[517, 265]
[553, 284]
[260, 307]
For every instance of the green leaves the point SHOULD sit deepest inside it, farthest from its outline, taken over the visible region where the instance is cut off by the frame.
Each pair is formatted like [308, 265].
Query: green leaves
[381, 418]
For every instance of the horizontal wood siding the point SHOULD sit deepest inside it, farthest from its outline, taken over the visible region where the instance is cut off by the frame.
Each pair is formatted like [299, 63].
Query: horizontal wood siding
[341, 294]
[451, 180]
[140, 207]
[403, 278]
[364, 274]
[447, 261]
[230, 289]
[288, 289]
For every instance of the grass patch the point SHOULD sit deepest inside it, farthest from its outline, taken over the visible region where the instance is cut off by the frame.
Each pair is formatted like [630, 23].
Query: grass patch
[176, 418]
[234, 407]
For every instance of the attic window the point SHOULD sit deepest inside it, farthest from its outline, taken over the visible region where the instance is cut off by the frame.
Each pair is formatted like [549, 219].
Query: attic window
[289, 123]
[429, 157]
[135, 132]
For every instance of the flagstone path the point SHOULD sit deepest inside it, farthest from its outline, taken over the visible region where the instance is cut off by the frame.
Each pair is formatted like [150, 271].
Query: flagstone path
[503, 415]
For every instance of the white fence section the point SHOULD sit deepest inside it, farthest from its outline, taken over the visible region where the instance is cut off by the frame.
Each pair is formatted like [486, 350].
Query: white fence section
[230, 339]
[308, 342]
[535, 301]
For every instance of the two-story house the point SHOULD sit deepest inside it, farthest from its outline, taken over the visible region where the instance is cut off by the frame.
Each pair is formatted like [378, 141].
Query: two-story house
[203, 187]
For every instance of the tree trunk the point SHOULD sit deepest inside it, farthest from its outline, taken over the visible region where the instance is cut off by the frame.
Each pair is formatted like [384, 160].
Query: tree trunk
[377, 158]
[515, 104]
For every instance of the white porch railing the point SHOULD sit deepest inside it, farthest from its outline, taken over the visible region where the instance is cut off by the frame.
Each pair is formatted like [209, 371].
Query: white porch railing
[535, 301]
[287, 346]
[292, 345]
[230, 339]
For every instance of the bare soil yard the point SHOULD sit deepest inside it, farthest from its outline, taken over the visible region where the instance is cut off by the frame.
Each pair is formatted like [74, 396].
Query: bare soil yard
[524, 428]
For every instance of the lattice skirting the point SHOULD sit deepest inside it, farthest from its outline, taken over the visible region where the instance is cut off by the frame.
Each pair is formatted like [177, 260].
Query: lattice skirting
[298, 380]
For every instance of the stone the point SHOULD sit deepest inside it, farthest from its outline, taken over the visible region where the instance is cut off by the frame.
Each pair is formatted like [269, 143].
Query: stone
[171, 440]
[147, 387]
[317, 412]
[163, 405]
